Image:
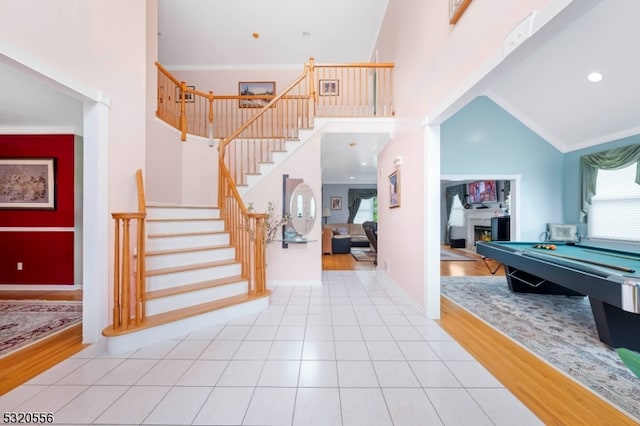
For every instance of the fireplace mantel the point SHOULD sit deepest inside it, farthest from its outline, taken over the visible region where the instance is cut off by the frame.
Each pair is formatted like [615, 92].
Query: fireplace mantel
[477, 217]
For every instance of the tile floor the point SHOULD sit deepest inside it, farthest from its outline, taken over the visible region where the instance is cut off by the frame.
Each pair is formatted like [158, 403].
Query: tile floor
[354, 351]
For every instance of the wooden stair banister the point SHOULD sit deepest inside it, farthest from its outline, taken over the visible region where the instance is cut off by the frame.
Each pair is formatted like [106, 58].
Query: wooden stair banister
[248, 136]
[123, 273]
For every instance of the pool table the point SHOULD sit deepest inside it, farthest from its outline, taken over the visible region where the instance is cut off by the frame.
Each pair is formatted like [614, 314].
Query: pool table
[610, 278]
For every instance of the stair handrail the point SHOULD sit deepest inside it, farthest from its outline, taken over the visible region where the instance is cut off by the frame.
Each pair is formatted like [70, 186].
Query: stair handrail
[122, 276]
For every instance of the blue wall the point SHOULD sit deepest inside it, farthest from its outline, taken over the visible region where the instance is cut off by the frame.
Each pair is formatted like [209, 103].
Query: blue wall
[482, 138]
[340, 190]
[571, 182]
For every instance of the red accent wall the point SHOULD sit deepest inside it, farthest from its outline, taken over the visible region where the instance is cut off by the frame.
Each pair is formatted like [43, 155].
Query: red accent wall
[59, 147]
[47, 257]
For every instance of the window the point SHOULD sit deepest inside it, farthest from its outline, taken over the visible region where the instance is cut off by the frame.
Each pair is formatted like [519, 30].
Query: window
[456, 217]
[613, 213]
[368, 211]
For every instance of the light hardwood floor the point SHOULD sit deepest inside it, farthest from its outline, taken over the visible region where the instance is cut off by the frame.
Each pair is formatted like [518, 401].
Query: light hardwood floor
[554, 398]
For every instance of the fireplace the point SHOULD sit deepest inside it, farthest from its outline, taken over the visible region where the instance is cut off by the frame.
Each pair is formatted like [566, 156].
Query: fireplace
[478, 230]
[477, 218]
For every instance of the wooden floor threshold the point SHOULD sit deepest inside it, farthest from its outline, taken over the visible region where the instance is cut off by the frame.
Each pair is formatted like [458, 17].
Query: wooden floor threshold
[180, 314]
[186, 268]
[24, 364]
[173, 291]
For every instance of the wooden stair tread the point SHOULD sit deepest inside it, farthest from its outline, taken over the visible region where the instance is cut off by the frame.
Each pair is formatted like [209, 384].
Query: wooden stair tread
[178, 206]
[186, 219]
[180, 314]
[192, 267]
[157, 294]
[188, 250]
[185, 234]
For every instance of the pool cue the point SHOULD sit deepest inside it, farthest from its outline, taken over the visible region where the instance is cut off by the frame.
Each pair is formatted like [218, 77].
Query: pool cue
[612, 255]
[592, 262]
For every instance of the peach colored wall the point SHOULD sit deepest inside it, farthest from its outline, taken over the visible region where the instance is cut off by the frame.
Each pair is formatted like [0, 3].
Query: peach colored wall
[200, 172]
[163, 161]
[300, 263]
[101, 43]
[433, 60]
[225, 82]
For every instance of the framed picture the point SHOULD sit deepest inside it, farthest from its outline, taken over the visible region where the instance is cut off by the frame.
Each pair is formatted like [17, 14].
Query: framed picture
[27, 183]
[456, 9]
[394, 189]
[336, 203]
[188, 96]
[266, 89]
[329, 87]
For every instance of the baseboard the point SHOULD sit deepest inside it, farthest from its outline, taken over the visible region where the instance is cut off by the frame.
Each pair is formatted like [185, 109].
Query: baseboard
[40, 287]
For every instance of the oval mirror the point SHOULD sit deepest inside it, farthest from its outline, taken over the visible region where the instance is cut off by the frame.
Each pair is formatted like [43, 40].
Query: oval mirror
[303, 209]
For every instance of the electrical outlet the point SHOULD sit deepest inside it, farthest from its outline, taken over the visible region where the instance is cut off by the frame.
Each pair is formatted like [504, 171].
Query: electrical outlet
[19, 266]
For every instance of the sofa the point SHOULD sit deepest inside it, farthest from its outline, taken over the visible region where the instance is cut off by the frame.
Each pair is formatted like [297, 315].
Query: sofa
[355, 230]
[335, 244]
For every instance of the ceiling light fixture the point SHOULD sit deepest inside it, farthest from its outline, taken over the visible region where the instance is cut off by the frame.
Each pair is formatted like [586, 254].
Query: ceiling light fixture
[352, 177]
[255, 35]
[364, 163]
[594, 77]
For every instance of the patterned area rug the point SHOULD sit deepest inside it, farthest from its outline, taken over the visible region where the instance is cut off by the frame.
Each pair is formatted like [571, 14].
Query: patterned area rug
[558, 329]
[363, 255]
[23, 322]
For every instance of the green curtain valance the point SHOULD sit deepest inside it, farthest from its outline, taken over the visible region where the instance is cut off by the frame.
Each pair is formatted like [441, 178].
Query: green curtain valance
[610, 159]
[355, 196]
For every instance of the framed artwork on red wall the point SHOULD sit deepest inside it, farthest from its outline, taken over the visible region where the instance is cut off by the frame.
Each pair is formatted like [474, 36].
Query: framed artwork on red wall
[28, 183]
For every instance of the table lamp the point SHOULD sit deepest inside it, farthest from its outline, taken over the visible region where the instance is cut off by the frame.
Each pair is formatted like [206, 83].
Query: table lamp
[325, 214]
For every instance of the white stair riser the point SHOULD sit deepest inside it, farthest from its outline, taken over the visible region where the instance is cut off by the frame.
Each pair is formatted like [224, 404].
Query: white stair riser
[162, 227]
[181, 212]
[187, 241]
[174, 279]
[131, 341]
[166, 304]
[172, 260]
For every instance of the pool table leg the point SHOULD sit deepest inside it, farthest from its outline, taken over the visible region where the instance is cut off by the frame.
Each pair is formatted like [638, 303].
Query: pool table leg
[616, 328]
[520, 281]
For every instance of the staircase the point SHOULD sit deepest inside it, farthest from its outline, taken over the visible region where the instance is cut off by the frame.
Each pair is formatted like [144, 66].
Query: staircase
[193, 279]
[195, 266]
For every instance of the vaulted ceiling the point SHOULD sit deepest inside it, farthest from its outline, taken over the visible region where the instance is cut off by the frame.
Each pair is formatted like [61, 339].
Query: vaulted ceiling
[543, 83]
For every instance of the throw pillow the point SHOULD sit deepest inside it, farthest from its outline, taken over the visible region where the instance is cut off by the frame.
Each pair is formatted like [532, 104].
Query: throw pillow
[343, 231]
[335, 232]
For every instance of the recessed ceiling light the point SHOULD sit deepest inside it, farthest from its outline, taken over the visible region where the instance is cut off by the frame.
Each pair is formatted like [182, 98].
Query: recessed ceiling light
[364, 163]
[594, 77]
[352, 177]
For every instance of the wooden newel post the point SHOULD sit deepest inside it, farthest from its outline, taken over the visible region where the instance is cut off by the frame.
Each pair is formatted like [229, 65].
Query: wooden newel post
[183, 111]
[260, 256]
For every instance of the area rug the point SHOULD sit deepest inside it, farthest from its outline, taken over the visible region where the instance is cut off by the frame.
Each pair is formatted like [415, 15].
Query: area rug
[363, 255]
[447, 255]
[559, 329]
[24, 322]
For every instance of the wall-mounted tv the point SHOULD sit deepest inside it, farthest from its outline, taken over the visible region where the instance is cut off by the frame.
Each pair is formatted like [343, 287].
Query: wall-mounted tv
[482, 191]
